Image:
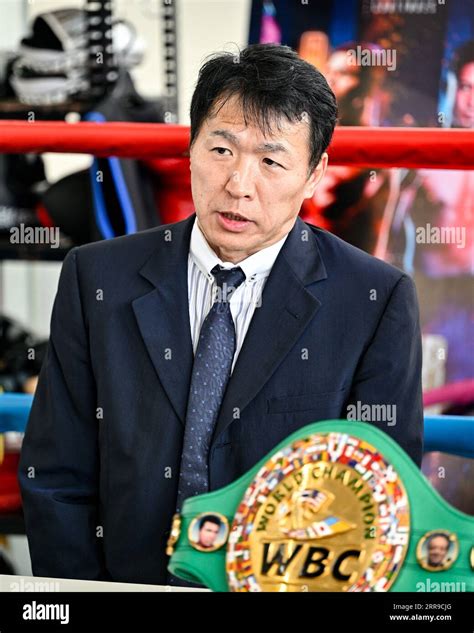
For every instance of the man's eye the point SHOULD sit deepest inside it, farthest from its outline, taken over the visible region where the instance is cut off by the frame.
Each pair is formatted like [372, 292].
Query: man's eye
[220, 150]
[272, 163]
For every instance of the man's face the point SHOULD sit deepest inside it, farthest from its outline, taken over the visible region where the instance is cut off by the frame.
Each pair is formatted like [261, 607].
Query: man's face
[342, 75]
[208, 534]
[464, 108]
[437, 550]
[235, 169]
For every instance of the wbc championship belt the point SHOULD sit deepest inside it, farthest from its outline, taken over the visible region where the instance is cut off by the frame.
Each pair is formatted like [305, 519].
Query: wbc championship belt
[337, 506]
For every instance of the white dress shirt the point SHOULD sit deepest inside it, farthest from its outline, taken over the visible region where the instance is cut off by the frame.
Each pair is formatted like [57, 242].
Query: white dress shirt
[202, 285]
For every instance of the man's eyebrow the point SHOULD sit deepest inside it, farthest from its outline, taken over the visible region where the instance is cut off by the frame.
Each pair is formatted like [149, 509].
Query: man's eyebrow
[272, 147]
[264, 147]
[227, 135]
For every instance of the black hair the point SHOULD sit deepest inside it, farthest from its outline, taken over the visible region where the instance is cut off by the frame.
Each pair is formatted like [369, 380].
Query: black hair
[463, 55]
[445, 536]
[271, 82]
[209, 518]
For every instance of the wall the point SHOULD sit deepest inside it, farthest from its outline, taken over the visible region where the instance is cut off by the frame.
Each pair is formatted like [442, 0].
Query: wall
[203, 26]
[27, 289]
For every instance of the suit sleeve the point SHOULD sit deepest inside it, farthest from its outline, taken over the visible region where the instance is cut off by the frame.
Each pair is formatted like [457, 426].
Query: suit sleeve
[59, 462]
[389, 372]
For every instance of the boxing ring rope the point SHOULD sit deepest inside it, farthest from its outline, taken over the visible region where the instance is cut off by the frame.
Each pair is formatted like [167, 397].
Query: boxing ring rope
[456, 393]
[446, 433]
[372, 148]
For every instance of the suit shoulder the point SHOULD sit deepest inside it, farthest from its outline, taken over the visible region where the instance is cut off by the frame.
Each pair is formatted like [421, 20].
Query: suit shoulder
[126, 250]
[342, 256]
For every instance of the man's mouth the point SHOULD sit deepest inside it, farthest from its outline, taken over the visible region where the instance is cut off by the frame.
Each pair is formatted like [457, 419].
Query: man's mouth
[234, 216]
[233, 222]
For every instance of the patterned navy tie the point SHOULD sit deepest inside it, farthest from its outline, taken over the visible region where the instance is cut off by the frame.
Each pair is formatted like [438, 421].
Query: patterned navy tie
[211, 372]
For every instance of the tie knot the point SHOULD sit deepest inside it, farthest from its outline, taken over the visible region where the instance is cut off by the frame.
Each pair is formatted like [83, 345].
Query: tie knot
[227, 280]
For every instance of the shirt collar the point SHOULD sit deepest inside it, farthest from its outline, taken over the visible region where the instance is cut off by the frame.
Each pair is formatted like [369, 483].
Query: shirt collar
[255, 266]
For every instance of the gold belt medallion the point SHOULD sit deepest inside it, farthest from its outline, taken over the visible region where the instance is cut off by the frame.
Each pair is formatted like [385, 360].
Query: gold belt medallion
[327, 513]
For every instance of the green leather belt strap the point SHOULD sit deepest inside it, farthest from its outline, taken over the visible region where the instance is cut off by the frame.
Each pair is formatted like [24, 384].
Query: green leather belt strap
[336, 506]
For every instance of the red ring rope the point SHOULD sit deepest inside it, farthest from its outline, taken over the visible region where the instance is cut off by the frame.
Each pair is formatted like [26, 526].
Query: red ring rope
[461, 392]
[361, 147]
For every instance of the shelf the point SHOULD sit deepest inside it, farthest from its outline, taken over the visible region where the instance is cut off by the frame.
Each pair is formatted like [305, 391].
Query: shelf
[32, 252]
[12, 109]
[12, 522]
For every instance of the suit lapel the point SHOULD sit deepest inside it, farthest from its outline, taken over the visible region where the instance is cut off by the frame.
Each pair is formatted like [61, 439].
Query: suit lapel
[286, 309]
[163, 314]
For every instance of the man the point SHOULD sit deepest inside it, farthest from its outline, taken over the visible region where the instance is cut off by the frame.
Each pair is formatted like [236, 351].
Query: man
[464, 99]
[351, 83]
[438, 546]
[149, 395]
[350, 201]
[208, 530]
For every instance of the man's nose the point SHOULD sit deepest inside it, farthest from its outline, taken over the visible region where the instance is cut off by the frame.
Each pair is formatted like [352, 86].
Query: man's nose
[241, 182]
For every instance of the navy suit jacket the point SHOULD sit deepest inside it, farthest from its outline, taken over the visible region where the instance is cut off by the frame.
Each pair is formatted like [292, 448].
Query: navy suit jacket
[101, 455]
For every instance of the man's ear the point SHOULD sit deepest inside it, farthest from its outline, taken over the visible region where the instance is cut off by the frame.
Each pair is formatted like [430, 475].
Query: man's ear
[316, 176]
